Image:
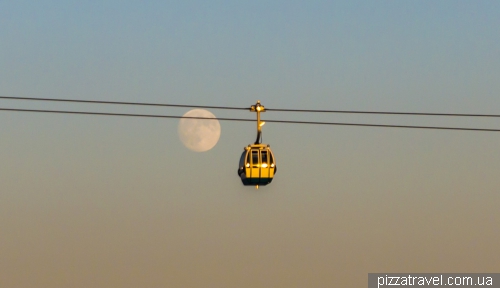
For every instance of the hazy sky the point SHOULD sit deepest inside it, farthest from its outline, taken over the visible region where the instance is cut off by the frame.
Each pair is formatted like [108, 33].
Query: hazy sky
[91, 201]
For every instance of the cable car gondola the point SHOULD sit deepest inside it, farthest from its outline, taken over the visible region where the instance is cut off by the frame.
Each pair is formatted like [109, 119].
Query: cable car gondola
[257, 163]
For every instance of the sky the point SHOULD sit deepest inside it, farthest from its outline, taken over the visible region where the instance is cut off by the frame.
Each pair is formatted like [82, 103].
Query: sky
[95, 201]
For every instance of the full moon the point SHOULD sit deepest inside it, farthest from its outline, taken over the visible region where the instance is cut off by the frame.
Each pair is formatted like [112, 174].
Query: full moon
[199, 135]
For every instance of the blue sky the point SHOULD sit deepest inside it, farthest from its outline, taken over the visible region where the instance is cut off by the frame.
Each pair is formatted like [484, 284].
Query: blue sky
[120, 202]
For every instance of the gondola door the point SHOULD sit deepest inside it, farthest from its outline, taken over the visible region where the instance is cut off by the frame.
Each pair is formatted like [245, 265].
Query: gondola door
[254, 164]
[264, 171]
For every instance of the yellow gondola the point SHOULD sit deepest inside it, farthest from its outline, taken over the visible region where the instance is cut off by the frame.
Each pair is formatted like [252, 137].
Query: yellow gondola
[257, 164]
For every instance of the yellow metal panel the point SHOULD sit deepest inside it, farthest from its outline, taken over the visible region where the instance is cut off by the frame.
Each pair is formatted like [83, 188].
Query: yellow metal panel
[255, 169]
[264, 172]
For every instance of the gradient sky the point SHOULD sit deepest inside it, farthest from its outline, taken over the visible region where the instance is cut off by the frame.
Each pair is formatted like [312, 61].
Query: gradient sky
[91, 201]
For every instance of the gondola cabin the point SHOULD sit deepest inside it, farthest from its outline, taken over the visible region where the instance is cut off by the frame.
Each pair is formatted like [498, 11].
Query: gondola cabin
[257, 165]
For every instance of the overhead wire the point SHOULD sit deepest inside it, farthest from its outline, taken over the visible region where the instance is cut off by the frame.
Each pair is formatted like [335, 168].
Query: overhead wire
[250, 120]
[247, 108]
[120, 103]
[383, 113]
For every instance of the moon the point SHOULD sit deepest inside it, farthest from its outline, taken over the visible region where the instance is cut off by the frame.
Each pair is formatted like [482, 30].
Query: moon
[199, 135]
